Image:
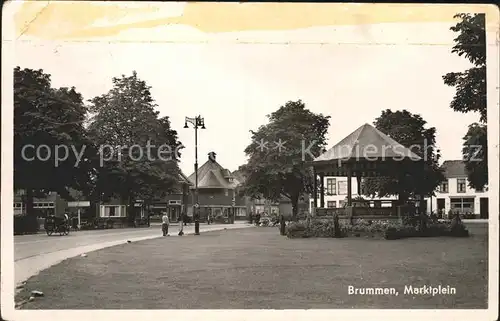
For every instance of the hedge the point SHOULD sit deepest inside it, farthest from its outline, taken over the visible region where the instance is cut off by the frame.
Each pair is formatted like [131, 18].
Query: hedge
[389, 230]
[26, 224]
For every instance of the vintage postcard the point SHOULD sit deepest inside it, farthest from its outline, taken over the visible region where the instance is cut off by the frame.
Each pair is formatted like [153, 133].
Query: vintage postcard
[242, 160]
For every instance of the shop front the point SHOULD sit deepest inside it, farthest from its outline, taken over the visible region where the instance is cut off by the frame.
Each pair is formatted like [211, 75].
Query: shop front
[173, 208]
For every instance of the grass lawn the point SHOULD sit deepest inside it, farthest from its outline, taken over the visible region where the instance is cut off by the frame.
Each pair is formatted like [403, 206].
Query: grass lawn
[256, 268]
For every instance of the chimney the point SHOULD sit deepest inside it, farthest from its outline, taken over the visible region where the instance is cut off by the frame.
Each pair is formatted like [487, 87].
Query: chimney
[211, 156]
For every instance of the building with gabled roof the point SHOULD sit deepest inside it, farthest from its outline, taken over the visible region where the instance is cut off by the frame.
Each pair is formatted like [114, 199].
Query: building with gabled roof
[217, 192]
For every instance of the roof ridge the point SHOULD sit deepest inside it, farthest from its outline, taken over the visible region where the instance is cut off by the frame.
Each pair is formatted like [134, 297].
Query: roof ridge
[361, 130]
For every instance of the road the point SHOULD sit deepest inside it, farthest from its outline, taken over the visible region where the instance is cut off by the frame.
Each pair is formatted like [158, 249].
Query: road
[26, 246]
[33, 253]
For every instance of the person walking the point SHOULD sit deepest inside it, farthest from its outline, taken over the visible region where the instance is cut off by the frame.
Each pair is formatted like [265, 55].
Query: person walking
[165, 222]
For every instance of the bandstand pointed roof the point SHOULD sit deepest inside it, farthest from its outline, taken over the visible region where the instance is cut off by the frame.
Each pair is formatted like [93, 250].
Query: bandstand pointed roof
[366, 142]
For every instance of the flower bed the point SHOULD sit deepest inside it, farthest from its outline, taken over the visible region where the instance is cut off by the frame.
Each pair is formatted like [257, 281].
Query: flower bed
[368, 228]
[389, 230]
[316, 228]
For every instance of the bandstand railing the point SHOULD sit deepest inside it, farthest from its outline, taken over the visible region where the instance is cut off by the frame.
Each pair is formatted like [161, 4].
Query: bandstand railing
[371, 213]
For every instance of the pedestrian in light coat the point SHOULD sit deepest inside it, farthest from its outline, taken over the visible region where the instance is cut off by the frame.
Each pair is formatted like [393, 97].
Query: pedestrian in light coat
[165, 222]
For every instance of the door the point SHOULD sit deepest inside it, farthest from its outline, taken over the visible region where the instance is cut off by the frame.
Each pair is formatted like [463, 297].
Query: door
[483, 207]
[440, 206]
[174, 213]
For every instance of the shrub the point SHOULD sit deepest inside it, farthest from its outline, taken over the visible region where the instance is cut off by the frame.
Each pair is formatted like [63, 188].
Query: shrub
[390, 230]
[87, 226]
[469, 216]
[449, 228]
[321, 228]
[109, 223]
[295, 229]
[315, 228]
[24, 224]
[458, 229]
[361, 226]
[295, 226]
[436, 229]
[411, 220]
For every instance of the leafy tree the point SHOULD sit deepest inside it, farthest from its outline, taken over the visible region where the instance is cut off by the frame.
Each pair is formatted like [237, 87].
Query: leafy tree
[475, 154]
[418, 178]
[471, 88]
[124, 117]
[53, 117]
[276, 164]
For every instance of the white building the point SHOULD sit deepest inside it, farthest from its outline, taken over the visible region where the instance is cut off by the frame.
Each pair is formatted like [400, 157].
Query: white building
[336, 193]
[453, 194]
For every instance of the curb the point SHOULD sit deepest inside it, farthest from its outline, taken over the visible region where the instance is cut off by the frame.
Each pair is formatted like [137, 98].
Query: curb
[469, 220]
[33, 265]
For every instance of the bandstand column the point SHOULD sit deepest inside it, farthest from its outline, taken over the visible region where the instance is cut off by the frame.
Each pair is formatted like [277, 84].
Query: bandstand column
[315, 189]
[358, 178]
[349, 186]
[322, 191]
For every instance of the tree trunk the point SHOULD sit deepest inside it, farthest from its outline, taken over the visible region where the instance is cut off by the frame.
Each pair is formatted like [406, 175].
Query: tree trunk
[95, 202]
[29, 202]
[295, 206]
[402, 196]
[131, 211]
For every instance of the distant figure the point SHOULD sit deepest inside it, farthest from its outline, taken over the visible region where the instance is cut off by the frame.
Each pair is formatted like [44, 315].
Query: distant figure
[165, 221]
[74, 223]
[336, 226]
[66, 217]
[282, 225]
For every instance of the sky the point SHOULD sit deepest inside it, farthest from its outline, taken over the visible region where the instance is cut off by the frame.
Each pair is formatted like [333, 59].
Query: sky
[349, 71]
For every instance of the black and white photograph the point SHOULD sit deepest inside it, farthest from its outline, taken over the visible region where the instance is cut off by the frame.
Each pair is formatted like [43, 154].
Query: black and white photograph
[242, 160]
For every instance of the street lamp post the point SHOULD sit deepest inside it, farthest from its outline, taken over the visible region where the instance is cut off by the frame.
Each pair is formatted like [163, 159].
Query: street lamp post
[197, 121]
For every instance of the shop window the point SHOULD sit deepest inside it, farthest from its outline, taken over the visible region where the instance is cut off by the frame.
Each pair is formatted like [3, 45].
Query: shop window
[331, 204]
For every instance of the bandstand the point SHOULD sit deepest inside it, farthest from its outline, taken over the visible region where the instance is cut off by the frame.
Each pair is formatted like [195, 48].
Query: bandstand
[366, 152]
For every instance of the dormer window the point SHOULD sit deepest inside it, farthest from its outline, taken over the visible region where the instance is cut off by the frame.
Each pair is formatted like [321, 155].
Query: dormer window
[461, 185]
[443, 187]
